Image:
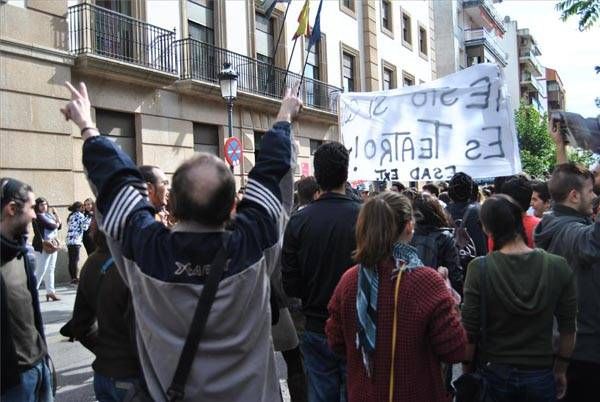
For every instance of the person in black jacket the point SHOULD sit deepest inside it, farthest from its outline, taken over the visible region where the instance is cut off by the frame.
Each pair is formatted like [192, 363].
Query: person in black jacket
[103, 297]
[25, 369]
[464, 206]
[434, 240]
[569, 232]
[317, 249]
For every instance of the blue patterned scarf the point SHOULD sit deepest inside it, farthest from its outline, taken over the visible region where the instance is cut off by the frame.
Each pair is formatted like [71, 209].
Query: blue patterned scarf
[366, 300]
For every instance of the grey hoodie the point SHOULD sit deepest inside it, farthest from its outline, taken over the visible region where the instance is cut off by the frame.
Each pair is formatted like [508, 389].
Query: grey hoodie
[573, 236]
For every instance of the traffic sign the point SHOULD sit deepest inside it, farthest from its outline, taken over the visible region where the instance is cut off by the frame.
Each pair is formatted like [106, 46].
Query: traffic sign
[233, 151]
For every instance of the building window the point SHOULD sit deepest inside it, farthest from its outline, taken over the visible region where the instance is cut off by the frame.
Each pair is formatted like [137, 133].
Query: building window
[258, 135]
[348, 72]
[422, 41]
[314, 145]
[121, 7]
[386, 15]
[264, 52]
[119, 127]
[201, 22]
[388, 79]
[406, 30]
[206, 138]
[348, 7]
[264, 38]
[313, 72]
[408, 80]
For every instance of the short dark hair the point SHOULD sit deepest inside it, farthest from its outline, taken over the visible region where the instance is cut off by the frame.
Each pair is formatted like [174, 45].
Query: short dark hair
[149, 173]
[541, 187]
[307, 188]
[432, 189]
[429, 211]
[462, 188]
[184, 196]
[502, 217]
[331, 165]
[401, 187]
[14, 190]
[519, 188]
[567, 177]
[444, 197]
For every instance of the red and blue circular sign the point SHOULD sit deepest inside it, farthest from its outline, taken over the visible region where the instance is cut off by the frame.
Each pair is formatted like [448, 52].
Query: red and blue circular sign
[233, 151]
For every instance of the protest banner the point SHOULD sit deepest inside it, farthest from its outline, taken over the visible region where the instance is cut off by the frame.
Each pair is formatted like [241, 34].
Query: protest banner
[461, 122]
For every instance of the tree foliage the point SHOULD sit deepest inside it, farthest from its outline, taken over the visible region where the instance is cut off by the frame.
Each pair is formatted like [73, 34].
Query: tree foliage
[588, 11]
[538, 152]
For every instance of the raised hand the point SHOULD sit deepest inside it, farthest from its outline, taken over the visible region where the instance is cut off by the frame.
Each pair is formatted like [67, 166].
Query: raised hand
[290, 105]
[79, 108]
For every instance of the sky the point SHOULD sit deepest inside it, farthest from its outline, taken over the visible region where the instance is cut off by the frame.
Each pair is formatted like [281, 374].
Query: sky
[564, 48]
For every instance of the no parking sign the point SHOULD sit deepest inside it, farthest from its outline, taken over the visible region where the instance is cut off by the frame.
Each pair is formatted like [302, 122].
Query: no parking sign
[233, 151]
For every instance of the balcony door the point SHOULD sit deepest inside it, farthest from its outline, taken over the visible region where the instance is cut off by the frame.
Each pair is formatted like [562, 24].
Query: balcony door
[114, 32]
[264, 37]
[201, 26]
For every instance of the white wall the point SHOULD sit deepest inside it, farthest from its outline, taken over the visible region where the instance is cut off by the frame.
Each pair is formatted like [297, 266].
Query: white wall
[235, 14]
[511, 71]
[392, 50]
[165, 14]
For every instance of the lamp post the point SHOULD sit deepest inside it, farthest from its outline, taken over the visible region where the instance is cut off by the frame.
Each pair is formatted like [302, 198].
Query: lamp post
[228, 82]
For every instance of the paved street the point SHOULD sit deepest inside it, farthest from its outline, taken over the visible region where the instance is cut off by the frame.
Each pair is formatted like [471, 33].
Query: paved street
[73, 361]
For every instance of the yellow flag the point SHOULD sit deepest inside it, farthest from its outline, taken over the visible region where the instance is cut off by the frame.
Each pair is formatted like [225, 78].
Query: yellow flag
[303, 28]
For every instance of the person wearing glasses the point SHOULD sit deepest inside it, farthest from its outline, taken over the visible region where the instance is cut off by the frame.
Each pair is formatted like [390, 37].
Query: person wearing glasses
[24, 366]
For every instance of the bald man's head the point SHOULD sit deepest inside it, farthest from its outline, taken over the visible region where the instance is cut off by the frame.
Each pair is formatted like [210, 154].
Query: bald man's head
[203, 190]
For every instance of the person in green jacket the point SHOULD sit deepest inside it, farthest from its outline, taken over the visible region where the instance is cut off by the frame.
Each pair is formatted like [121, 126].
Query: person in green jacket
[525, 289]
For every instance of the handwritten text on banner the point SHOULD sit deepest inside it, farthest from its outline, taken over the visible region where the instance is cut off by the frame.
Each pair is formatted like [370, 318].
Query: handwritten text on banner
[461, 122]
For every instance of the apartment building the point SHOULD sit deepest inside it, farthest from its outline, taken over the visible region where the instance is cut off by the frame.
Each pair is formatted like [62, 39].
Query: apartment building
[556, 91]
[532, 73]
[152, 69]
[469, 32]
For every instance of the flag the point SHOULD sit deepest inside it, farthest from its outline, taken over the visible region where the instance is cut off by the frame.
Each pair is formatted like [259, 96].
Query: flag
[303, 28]
[315, 35]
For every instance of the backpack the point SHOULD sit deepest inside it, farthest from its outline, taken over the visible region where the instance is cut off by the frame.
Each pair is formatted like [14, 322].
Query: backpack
[464, 243]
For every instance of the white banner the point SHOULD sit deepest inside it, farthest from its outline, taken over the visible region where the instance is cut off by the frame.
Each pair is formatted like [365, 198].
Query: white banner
[459, 123]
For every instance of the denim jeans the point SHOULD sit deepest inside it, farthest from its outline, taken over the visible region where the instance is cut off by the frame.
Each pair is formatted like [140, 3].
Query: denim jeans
[510, 384]
[45, 265]
[109, 389]
[325, 371]
[36, 386]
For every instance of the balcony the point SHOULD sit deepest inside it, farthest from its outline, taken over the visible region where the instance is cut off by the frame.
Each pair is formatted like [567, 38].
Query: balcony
[530, 60]
[484, 13]
[201, 61]
[480, 36]
[532, 84]
[115, 45]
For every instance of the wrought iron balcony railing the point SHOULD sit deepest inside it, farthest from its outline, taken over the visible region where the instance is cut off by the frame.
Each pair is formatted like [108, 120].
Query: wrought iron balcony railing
[202, 61]
[99, 31]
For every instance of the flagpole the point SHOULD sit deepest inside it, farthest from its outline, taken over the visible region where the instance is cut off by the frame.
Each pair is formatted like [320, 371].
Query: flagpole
[287, 70]
[304, 68]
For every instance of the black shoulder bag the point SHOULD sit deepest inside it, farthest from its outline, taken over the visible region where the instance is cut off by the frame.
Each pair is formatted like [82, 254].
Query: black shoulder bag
[470, 387]
[176, 391]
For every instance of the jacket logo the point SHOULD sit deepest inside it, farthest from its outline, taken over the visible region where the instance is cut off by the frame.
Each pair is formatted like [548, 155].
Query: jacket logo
[194, 270]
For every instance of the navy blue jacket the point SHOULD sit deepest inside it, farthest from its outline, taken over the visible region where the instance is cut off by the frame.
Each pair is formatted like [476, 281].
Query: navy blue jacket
[165, 271]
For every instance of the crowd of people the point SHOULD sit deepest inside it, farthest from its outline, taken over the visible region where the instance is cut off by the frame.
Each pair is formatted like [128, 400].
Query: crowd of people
[190, 287]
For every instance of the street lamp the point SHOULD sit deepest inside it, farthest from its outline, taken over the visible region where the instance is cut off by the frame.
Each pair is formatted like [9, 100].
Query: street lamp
[228, 82]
